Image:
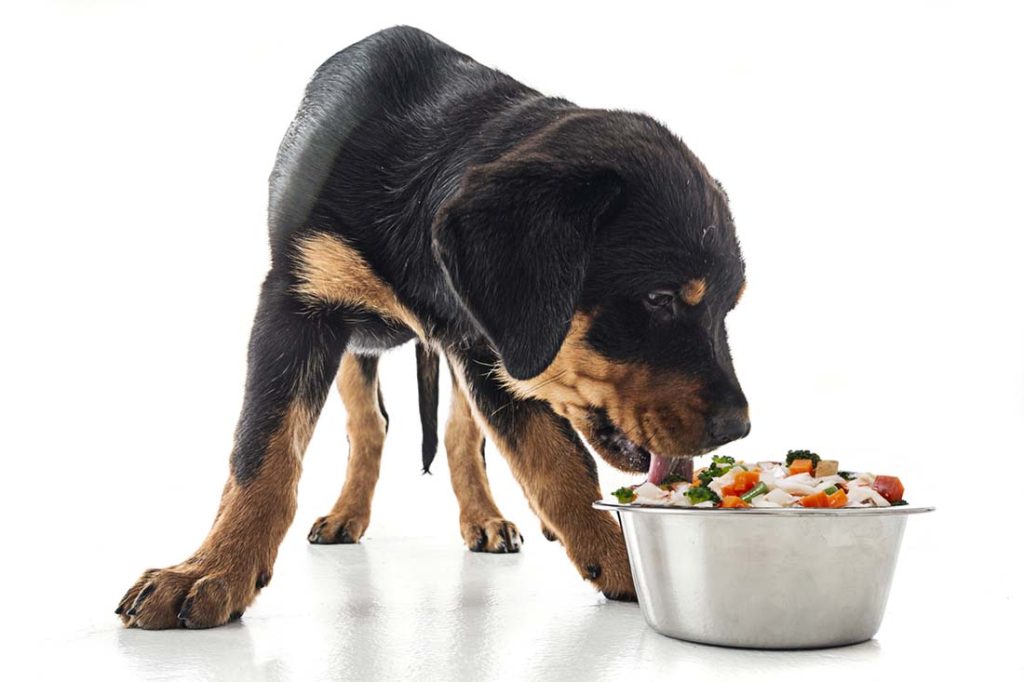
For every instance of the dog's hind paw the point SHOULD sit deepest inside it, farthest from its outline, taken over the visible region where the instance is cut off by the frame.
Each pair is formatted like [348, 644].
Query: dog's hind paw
[337, 529]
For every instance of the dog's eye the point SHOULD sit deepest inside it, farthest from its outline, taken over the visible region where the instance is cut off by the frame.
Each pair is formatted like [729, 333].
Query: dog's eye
[660, 299]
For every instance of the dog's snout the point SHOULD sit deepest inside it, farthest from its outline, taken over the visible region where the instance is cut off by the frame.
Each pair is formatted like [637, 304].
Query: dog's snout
[728, 425]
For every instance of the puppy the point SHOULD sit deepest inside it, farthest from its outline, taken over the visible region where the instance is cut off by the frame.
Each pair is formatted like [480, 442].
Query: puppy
[575, 267]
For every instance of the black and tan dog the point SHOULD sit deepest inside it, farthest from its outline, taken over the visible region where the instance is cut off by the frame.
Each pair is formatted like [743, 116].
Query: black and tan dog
[575, 266]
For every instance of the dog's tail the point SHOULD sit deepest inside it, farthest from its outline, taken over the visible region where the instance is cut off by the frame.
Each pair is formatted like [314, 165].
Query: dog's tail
[427, 365]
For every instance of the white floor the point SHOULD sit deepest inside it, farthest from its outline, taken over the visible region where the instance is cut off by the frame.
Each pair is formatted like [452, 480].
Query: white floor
[425, 608]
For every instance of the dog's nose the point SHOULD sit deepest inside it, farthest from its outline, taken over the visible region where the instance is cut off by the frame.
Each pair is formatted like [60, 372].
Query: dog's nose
[728, 425]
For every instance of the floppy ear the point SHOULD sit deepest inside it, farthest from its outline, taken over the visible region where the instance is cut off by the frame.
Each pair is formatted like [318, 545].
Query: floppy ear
[515, 243]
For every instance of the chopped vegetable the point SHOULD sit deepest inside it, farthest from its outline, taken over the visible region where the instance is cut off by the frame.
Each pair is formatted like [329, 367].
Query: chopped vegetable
[759, 489]
[698, 494]
[625, 495]
[889, 487]
[794, 455]
[814, 500]
[668, 481]
[806, 480]
[836, 499]
[801, 466]
[826, 467]
[715, 470]
[745, 480]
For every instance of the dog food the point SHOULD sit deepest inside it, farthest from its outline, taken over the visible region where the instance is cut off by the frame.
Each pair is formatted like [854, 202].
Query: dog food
[803, 480]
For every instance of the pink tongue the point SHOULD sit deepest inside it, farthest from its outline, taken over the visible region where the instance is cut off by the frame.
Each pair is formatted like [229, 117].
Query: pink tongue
[663, 466]
[659, 467]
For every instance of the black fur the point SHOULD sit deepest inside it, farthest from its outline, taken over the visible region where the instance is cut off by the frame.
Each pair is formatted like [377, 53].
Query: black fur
[294, 354]
[427, 368]
[495, 213]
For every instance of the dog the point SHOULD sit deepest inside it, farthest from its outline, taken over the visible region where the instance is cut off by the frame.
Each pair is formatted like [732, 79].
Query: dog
[574, 266]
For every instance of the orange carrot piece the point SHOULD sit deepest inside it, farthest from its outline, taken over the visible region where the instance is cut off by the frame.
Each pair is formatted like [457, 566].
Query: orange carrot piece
[733, 502]
[819, 499]
[745, 480]
[801, 466]
[837, 499]
[731, 491]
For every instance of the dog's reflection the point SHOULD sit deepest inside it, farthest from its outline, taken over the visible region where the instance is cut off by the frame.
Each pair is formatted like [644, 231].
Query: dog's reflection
[469, 616]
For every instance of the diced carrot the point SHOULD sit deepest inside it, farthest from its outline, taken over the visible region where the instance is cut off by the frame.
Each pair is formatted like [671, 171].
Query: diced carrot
[733, 502]
[837, 499]
[801, 466]
[744, 481]
[819, 499]
[889, 487]
[730, 491]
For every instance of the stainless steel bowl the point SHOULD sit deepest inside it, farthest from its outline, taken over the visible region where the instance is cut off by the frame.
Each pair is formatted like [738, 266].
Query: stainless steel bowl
[763, 578]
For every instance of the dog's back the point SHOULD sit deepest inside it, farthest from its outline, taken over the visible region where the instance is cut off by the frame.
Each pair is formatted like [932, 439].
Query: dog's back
[384, 134]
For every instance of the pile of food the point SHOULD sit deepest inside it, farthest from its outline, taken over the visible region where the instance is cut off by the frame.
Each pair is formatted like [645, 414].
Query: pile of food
[804, 480]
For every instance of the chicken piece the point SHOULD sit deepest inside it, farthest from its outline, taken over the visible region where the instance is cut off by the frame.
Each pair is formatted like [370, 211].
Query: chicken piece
[826, 467]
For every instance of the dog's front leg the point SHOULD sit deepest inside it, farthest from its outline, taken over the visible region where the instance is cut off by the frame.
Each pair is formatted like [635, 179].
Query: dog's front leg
[293, 357]
[555, 470]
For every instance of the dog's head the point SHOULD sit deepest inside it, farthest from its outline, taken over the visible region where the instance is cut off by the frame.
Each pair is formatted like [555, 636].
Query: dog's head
[600, 259]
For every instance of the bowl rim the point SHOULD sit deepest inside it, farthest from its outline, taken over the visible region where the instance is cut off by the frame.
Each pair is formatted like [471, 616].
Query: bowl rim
[760, 511]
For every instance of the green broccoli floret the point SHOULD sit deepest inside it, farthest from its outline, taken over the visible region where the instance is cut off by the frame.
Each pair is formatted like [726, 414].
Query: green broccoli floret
[700, 494]
[716, 469]
[794, 455]
[624, 495]
[667, 482]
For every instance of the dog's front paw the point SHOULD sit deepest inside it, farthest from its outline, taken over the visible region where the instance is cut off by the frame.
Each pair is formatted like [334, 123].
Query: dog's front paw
[192, 594]
[603, 562]
[338, 529]
[494, 535]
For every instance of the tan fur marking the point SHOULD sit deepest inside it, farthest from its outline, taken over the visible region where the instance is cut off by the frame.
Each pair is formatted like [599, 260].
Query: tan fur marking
[479, 517]
[366, 431]
[693, 292]
[332, 271]
[657, 409]
[221, 578]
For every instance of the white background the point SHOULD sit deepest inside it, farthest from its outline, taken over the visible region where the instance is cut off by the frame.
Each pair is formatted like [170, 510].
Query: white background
[873, 159]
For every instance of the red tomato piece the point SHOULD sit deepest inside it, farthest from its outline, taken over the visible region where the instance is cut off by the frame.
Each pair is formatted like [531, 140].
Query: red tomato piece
[889, 487]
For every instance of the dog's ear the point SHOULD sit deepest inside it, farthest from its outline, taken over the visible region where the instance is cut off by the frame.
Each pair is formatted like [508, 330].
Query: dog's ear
[515, 242]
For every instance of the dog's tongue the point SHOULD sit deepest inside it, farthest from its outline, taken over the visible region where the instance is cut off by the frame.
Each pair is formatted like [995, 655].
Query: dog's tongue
[663, 466]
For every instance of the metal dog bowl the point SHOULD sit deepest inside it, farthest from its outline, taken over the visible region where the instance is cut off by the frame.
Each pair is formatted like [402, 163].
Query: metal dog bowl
[763, 578]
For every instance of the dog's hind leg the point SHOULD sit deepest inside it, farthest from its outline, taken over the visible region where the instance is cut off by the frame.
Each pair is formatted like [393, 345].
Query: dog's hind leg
[482, 525]
[360, 391]
[293, 355]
